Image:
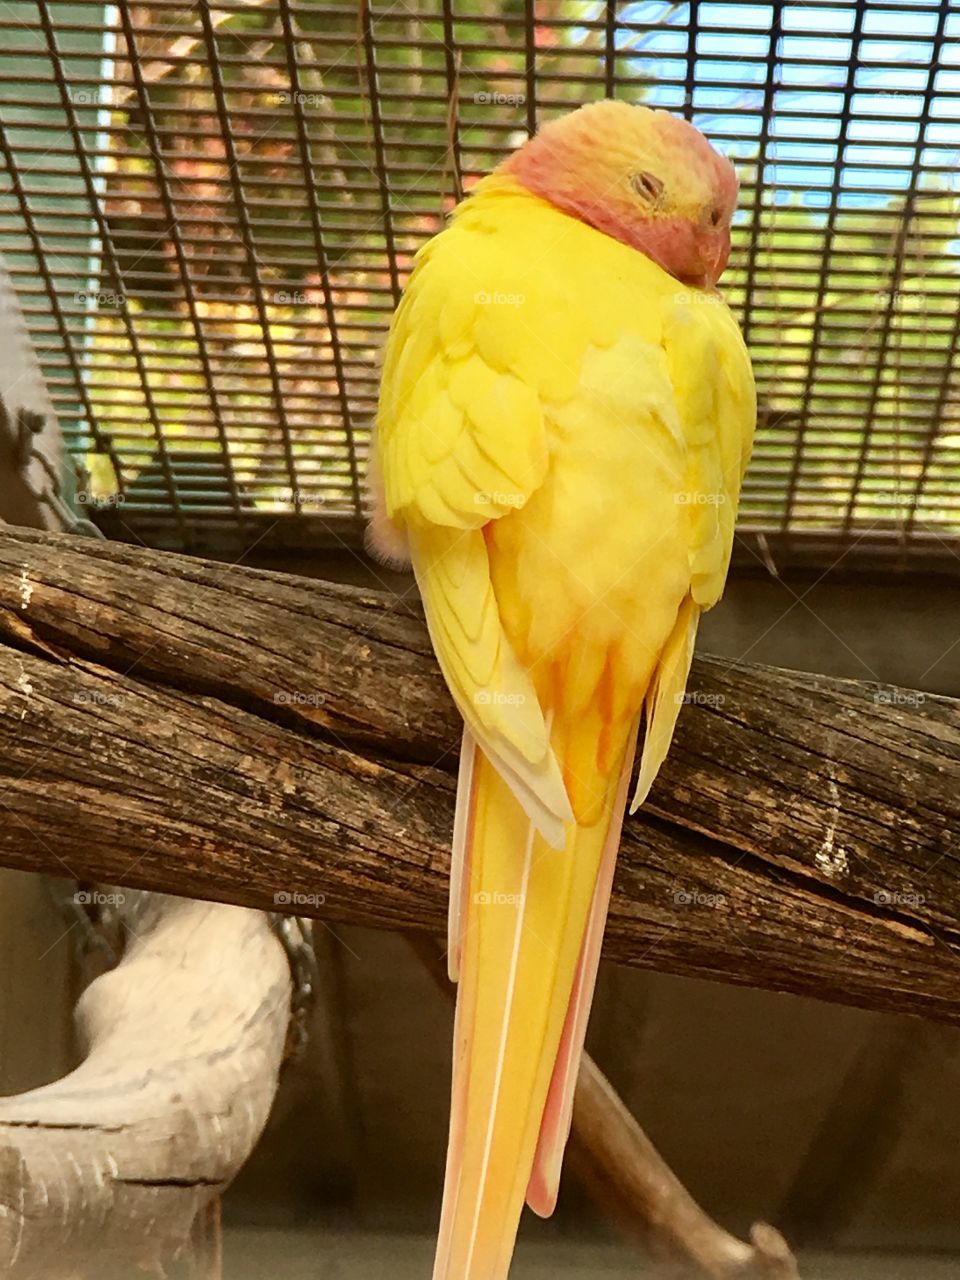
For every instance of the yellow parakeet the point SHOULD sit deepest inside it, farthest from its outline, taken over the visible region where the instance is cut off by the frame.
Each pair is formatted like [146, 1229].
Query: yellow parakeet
[565, 416]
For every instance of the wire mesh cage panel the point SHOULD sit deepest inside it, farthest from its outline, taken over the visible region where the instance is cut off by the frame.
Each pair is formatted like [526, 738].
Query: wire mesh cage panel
[210, 214]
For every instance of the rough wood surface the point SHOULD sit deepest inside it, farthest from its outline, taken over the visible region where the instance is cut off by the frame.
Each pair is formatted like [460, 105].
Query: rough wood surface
[227, 733]
[109, 1166]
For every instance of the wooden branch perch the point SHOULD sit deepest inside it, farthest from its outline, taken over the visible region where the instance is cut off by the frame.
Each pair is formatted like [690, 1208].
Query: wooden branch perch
[226, 733]
[627, 1175]
[110, 1165]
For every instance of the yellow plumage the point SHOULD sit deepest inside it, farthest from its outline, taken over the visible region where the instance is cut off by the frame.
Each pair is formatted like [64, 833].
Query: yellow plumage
[562, 434]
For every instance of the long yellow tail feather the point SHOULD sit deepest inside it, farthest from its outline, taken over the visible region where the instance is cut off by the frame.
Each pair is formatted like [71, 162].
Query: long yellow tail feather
[523, 923]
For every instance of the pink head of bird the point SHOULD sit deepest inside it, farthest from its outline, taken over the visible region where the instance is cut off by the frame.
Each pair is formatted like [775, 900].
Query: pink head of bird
[645, 177]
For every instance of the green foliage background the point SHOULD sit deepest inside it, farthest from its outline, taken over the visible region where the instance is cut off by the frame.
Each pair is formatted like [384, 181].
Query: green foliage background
[851, 313]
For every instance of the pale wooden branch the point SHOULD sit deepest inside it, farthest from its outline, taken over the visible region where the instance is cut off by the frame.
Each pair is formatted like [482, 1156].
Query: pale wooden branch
[228, 733]
[110, 1165]
[633, 1186]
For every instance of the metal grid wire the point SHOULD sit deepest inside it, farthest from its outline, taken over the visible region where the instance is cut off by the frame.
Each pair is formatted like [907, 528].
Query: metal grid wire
[210, 213]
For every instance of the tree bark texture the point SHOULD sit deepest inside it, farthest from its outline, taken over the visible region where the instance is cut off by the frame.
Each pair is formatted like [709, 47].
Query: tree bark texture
[232, 734]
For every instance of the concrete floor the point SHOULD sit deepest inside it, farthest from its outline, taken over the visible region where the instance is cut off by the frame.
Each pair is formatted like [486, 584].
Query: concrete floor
[316, 1255]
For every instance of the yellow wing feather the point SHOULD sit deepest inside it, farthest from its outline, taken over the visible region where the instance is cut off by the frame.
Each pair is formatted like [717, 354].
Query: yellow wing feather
[493, 691]
[716, 402]
[713, 387]
[462, 440]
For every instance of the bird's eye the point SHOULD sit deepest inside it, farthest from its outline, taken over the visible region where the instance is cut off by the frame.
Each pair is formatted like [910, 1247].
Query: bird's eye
[714, 217]
[647, 185]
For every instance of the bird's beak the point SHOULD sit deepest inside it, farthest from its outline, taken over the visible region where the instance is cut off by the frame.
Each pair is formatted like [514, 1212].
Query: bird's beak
[716, 255]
